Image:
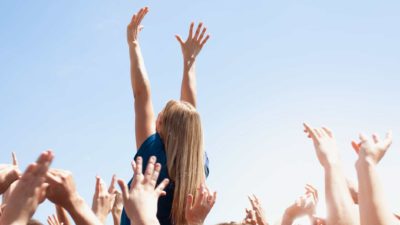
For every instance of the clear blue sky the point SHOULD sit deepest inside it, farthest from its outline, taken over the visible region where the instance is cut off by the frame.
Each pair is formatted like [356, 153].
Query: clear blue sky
[268, 66]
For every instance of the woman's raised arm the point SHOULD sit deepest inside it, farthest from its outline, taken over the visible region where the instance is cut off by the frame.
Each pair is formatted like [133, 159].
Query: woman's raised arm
[144, 114]
[190, 49]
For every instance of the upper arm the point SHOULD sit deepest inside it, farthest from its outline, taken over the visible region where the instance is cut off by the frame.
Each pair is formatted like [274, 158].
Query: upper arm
[145, 124]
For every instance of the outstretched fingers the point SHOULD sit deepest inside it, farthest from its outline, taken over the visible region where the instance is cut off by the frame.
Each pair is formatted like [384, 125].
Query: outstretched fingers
[196, 35]
[311, 132]
[142, 12]
[202, 34]
[150, 169]
[137, 170]
[111, 188]
[190, 36]
[181, 42]
[124, 189]
[156, 174]
[203, 42]
[388, 139]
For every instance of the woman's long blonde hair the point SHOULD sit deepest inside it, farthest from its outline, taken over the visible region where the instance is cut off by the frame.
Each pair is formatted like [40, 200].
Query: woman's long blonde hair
[183, 139]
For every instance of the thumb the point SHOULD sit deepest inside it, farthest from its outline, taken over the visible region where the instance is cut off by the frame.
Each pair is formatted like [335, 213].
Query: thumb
[356, 147]
[179, 39]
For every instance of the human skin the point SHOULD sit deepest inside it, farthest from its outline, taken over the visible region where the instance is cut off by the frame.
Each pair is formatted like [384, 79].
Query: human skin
[140, 200]
[341, 210]
[28, 193]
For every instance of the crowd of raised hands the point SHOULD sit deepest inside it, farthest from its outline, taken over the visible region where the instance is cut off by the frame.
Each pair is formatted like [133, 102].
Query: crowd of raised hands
[24, 192]
[346, 203]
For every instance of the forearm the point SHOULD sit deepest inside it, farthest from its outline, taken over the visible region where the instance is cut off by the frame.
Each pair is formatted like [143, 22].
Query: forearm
[188, 88]
[81, 213]
[286, 219]
[338, 200]
[139, 79]
[373, 208]
[142, 221]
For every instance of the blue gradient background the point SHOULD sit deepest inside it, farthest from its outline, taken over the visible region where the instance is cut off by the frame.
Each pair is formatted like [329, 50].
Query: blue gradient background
[268, 66]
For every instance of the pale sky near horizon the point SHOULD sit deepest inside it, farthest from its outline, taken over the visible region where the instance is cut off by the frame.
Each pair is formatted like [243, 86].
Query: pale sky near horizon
[268, 67]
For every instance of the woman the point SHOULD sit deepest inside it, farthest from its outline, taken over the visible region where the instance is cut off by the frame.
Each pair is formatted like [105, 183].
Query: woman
[175, 138]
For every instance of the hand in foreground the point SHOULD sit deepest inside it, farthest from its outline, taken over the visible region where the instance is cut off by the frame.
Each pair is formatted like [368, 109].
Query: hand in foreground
[103, 199]
[134, 26]
[304, 205]
[28, 193]
[62, 190]
[197, 208]
[141, 199]
[372, 150]
[9, 174]
[194, 43]
[258, 210]
[324, 144]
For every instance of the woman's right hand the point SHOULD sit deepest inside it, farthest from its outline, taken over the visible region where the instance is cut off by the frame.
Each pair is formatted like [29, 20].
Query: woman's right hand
[134, 26]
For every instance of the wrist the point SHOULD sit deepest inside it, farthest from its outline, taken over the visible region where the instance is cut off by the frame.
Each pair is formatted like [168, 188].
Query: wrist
[74, 202]
[287, 218]
[332, 165]
[364, 162]
[188, 62]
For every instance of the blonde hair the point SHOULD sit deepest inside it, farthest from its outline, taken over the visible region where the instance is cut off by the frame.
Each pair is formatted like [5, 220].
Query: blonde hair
[183, 139]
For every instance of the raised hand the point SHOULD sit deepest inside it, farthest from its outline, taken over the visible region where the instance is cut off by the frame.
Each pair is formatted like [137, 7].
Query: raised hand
[372, 149]
[62, 191]
[103, 199]
[8, 174]
[134, 26]
[305, 204]
[190, 49]
[324, 144]
[141, 199]
[258, 210]
[197, 208]
[341, 210]
[28, 193]
[194, 43]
